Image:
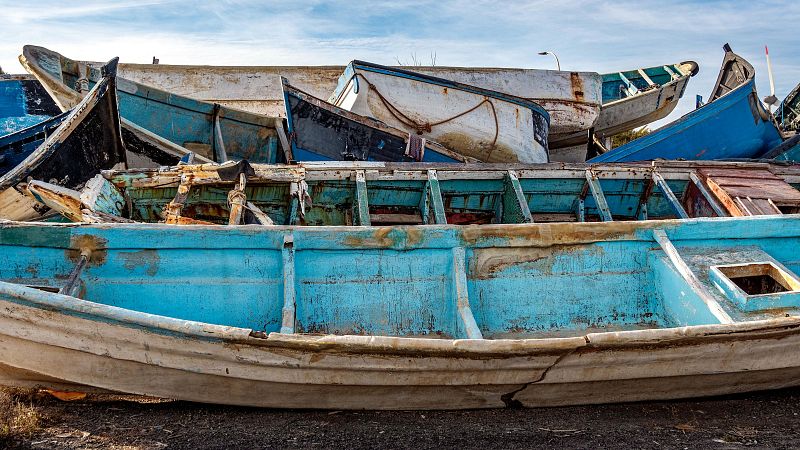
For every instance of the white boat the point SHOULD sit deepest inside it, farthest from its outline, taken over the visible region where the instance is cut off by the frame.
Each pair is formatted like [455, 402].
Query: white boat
[480, 123]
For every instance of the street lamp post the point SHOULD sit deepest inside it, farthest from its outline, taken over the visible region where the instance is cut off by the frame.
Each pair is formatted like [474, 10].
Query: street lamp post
[558, 64]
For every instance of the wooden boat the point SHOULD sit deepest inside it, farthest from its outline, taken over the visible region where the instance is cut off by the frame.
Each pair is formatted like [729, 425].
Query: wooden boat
[479, 123]
[788, 114]
[733, 124]
[403, 317]
[213, 132]
[367, 193]
[23, 103]
[321, 131]
[86, 141]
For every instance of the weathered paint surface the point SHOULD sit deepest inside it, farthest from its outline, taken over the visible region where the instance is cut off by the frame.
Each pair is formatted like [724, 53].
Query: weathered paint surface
[478, 123]
[23, 103]
[363, 193]
[555, 313]
[788, 113]
[215, 132]
[734, 124]
[87, 141]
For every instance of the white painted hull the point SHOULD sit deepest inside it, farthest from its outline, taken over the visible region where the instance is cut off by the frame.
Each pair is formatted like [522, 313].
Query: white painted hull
[214, 364]
[571, 98]
[496, 131]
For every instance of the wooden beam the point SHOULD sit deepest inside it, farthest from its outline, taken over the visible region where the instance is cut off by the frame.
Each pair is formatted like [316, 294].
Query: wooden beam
[285, 145]
[669, 195]
[219, 144]
[361, 213]
[513, 202]
[691, 279]
[599, 197]
[72, 286]
[461, 295]
[289, 295]
[261, 217]
[173, 209]
[236, 201]
[432, 197]
[718, 210]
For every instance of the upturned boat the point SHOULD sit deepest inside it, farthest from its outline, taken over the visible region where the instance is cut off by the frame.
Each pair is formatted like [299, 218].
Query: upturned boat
[403, 317]
[71, 149]
[479, 123]
[23, 103]
[211, 131]
[733, 124]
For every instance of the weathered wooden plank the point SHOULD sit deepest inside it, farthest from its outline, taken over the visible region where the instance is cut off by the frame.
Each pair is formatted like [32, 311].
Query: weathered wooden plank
[289, 294]
[361, 207]
[513, 203]
[173, 209]
[599, 197]
[669, 195]
[461, 295]
[259, 215]
[432, 200]
[236, 201]
[712, 201]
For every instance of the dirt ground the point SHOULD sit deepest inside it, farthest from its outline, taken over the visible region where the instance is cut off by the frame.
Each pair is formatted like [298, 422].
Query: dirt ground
[764, 420]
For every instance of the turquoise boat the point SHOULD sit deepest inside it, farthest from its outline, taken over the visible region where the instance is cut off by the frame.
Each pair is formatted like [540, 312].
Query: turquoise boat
[211, 131]
[733, 124]
[403, 317]
[23, 103]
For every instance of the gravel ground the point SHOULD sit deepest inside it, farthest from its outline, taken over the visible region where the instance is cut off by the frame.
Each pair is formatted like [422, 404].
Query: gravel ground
[757, 420]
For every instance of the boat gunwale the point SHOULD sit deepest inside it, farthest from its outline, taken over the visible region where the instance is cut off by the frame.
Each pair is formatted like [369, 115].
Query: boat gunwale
[60, 304]
[674, 81]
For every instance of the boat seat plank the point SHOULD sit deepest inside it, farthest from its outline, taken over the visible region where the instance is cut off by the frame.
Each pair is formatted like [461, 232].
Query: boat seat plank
[599, 197]
[670, 196]
[432, 201]
[513, 203]
[289, 295]
[461, 295]
[361, 213]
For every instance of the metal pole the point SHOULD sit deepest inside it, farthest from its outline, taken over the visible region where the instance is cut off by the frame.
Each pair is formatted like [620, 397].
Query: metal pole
[558, 63]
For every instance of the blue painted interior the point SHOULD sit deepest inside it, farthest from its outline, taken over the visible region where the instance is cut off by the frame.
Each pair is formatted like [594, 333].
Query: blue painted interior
[14, 114]
[399, 281]
[729, 127]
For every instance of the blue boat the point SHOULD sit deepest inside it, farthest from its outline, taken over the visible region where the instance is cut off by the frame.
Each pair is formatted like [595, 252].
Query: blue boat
[181, 124]
[403, 317]
[320, 131]
[23, 103]
[71, 149]
[733, 124]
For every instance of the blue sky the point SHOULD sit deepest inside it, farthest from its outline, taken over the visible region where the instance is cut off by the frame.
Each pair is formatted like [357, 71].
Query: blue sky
[587, 35]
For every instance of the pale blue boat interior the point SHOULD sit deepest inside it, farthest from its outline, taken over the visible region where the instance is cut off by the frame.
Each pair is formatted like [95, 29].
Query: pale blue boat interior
[407, 281]
[190, 123]
[619, 85]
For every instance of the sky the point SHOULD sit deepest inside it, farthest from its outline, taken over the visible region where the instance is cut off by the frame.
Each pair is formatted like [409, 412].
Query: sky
[599, 36]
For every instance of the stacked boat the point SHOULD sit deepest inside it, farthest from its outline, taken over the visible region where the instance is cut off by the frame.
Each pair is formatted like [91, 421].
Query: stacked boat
[381, 237]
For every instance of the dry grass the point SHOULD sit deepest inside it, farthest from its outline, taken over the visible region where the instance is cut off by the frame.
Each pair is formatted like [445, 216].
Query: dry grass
[19, 418]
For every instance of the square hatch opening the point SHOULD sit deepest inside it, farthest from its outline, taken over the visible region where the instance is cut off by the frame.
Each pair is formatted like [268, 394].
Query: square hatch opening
[761, 278]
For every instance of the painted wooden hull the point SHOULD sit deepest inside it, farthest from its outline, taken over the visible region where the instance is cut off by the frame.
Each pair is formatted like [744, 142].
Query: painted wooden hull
[371, 193]
[478, 123]
[212, 132]
[87, 141]
[646, 319]
[320, 131]
[23, 103]
[788, 113]
[734, 124]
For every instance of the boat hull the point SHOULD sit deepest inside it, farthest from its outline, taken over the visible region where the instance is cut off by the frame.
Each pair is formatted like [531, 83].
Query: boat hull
[480, 124]
[23, 103]
[61, 351]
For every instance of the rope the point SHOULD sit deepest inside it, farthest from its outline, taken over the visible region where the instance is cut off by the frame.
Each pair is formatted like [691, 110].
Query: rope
[427, 126]
[234, 195]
